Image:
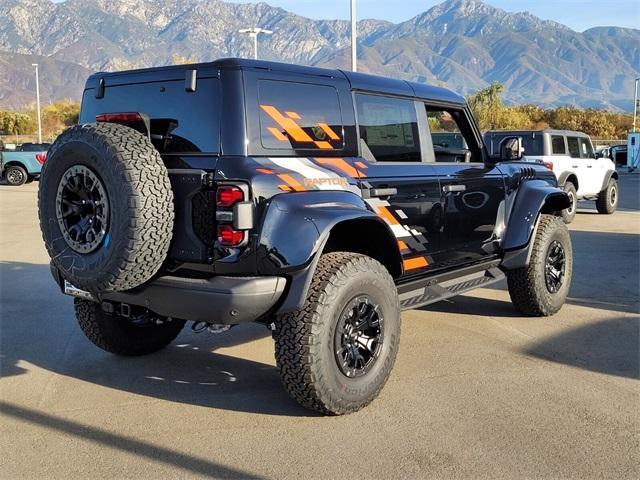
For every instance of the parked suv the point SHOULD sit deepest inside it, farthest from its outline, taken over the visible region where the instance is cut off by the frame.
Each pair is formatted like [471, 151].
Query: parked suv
[313, 201]
[571, 157]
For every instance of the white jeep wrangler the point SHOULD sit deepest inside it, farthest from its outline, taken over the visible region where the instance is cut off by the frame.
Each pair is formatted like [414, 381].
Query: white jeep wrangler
[571, 157]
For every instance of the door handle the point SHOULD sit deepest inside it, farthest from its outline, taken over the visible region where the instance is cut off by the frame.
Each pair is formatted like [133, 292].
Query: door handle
[574, 166]
[454, 188]
[383, 192]
[589, 166]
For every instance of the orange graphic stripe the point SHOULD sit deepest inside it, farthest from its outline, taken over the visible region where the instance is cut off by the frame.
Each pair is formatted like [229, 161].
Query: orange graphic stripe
[384, 213]
[292, 128]
[402, 245]
[323, 145]
[293, 115]
[341, 165]
[292, 182]
[329, 131]
[277, 133]
[413, 263]
[361, 165]
[264, 170]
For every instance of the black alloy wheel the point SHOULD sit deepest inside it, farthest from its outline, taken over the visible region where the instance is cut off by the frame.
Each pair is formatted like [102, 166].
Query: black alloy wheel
[82, 209]
[358, 337]
[554, 269]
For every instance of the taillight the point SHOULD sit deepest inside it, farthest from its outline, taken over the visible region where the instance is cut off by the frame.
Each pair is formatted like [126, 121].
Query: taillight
[229, 237]
[549, 165]
[231, 215]
[41, 158]
[228, 195]
[121, 117]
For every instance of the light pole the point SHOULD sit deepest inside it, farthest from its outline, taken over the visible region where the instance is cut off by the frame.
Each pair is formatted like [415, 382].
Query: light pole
[354, 37]
[38, 103]
[635, 105]
[253, 33]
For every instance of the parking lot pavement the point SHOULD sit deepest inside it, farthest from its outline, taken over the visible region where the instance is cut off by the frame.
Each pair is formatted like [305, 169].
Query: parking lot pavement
[477, 391]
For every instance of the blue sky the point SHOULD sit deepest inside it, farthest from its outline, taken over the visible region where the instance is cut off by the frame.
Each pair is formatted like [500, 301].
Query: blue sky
[577, 14]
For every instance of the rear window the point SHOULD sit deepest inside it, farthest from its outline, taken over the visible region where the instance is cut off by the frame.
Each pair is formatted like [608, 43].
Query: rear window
[299, 116]
[388, 128]
[531, 142]
[557, 145]
[181, 121]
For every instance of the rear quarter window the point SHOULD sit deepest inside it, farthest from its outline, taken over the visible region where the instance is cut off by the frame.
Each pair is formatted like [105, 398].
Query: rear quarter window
[189, 122]
[299, 116]
[557, 145]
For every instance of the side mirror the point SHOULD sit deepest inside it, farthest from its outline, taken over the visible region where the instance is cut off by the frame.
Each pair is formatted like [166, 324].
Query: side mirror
[511, 149]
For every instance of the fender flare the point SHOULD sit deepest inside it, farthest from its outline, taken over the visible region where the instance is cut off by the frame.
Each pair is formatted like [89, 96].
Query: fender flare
[295, 230]
[534, 198]
[562, 179]
[610, 174]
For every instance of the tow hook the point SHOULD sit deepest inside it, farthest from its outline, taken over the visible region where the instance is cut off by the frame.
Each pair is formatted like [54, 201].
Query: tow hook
[214, 328]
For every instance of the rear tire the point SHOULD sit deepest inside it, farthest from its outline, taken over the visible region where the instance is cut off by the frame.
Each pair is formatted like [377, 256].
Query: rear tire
[607, 201]
[569, 213]
[541, 288]
[16, 175]
[122, 336]
[322, 358]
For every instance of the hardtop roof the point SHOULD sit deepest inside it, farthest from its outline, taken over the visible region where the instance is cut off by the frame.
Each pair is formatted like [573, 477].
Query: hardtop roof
[358, 81]
[551, 131]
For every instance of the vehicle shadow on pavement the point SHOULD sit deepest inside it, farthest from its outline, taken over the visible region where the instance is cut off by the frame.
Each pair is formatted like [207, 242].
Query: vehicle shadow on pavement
[38, 327]
[189, 463]
[609, 346]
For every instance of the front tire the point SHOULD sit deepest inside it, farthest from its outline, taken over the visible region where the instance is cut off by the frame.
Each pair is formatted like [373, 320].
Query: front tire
[569, 213]
[138, 335]
[16, 175]
[540, 289]
[336, 353]
[607, 201]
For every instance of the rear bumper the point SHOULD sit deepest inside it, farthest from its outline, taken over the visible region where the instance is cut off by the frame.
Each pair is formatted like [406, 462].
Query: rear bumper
[223, 300]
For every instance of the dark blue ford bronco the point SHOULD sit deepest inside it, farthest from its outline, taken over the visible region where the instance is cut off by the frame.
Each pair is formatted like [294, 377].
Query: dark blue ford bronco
[320, 203]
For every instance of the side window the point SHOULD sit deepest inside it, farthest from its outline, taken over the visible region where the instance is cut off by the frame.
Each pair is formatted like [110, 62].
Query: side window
[574, 148]
[299, 116]
[557, 145]
[388, 128]
[586, 150]
[444, 130]
[449, 136]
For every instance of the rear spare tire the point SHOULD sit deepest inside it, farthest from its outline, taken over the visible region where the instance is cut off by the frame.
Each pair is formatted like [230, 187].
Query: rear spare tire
[106, 207]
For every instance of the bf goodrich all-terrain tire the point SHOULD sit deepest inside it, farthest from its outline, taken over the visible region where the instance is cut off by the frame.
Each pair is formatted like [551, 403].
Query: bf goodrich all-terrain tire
[106, 207]
[569, 213]
[124, 336]
[336, 353]
[16, 175]
[541, 288]
[607, 201]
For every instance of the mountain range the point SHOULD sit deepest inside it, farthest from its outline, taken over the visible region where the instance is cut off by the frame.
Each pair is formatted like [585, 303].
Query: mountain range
[463, 44]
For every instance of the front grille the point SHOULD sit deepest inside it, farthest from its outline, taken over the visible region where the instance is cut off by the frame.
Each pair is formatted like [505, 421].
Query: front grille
[204, 216]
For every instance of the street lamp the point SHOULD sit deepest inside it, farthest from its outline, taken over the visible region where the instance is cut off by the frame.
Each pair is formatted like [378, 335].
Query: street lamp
[635, 105]
[253, 33]
[38, 103]
[354, 37]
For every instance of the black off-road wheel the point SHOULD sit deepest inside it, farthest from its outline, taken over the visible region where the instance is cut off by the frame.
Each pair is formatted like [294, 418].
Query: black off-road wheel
[16, 175]
[133, 336]
[336, 353]
[569, 213]
[106, 207]
[541, 288]
[607, 201]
